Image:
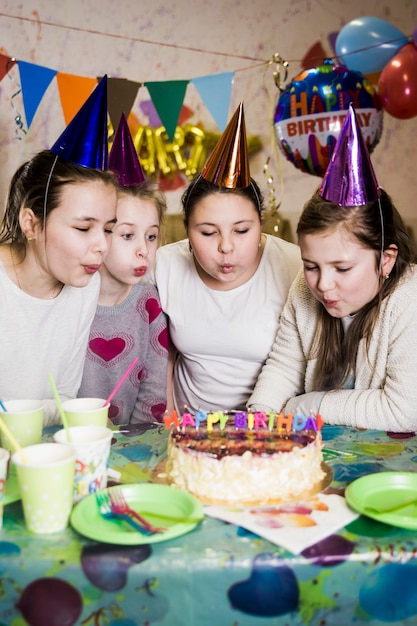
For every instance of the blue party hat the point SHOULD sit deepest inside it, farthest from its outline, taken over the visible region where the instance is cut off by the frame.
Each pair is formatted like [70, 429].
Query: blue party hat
[85, 140]
[123, 158]
[350, 178]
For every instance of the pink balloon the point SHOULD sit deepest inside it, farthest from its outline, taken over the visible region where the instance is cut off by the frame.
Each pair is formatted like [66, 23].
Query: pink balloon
[397, 85]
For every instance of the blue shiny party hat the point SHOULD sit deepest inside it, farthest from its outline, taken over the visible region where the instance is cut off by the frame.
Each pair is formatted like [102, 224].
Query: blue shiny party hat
[85, 140]
[123, 158]
[350, 178]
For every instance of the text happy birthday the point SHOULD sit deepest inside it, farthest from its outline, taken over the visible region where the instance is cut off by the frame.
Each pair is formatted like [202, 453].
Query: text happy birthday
[247, 421]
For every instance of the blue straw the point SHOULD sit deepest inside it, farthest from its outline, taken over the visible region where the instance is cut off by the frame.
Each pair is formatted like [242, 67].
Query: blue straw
[3, 407]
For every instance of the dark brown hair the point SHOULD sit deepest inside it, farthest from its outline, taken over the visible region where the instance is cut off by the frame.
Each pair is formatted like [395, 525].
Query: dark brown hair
[38, 185]
[200, 188]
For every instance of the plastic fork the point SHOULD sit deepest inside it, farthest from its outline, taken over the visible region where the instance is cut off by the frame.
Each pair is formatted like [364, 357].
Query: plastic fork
[106, 511]
[391, 509]
[121, 507]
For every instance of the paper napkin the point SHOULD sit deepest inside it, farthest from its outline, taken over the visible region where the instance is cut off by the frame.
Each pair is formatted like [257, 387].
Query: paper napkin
[294, 526]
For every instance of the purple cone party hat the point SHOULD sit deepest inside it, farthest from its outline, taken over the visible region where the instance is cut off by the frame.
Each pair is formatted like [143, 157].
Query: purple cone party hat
[85, 140]
[350, 178]
[228, 164]
[123, 158]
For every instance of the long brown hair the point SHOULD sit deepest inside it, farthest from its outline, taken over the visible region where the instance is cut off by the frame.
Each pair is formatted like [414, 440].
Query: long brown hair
[377, 226]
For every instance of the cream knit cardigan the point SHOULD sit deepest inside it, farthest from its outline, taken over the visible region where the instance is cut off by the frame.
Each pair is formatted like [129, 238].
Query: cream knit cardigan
[385, 389]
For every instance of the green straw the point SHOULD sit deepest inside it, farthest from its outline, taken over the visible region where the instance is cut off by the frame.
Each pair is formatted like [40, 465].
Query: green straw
[59, 405]
[15, 444]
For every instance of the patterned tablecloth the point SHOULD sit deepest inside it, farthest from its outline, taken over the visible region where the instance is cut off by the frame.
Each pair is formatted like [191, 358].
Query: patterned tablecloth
[219, 573]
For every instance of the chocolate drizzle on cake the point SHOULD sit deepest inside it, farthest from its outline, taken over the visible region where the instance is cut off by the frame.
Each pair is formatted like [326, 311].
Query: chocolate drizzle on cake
[231, 441]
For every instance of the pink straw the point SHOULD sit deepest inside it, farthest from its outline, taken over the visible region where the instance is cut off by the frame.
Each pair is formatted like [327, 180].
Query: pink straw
[121, 381]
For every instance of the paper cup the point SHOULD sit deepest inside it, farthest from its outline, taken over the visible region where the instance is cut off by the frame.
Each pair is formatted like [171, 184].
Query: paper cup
[91, 445]
[86, 412]
[46, 483]
[4, 462]
[24, 419]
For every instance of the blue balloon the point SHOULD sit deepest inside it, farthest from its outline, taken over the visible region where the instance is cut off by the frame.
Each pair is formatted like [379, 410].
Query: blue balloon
[366, 44]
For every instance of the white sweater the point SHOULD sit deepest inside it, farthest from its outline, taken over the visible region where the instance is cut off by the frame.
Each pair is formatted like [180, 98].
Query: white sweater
[385, 389]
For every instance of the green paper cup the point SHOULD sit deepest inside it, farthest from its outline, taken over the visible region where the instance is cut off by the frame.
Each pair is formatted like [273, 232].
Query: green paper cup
[24, 419]
[46, 483]
[91, 445]
[4, 462]
[86, 412]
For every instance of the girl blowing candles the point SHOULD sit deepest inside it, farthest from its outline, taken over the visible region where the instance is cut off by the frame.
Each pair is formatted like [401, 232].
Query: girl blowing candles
[347, 341]
[53, 238]
[129, 321]
[223, 289]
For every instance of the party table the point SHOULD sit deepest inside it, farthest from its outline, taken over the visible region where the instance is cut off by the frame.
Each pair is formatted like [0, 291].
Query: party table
[219, 573]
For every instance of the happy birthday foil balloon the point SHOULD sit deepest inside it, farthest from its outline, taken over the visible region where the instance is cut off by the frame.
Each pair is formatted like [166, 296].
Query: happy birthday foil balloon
[312, 109]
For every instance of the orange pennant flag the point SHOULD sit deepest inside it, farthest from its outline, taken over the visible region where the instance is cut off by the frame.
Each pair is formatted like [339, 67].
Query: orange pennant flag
[73, 92]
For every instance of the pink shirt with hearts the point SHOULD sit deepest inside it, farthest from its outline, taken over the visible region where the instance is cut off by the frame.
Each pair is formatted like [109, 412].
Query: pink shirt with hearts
[136, 327]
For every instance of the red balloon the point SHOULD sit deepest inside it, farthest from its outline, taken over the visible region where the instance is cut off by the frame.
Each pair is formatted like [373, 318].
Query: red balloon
[397, 85]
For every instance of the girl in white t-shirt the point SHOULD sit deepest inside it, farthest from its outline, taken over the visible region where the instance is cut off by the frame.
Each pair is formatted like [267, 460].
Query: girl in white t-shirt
[223, 290]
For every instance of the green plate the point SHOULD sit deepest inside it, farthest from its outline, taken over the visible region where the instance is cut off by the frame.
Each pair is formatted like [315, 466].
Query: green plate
[385, 490]
[12, 491]
[179, 513]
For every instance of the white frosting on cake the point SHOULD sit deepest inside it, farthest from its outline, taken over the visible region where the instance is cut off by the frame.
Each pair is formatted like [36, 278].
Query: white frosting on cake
[248, 478]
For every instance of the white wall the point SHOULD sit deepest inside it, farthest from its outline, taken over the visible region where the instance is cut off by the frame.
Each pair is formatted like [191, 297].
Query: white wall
[76, 37]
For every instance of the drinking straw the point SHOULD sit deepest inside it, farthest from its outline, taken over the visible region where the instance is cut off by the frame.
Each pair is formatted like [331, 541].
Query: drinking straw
[121, 381]
[3, 407]
[59, 405]
[18, 448]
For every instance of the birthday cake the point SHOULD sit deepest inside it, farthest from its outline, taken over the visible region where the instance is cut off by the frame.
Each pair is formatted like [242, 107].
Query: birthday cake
[239, 458]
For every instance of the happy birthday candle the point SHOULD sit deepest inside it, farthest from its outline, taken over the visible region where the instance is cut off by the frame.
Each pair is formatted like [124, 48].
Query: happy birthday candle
[187, 419]
[171, 420]
[260, 420]
[212, 418]
[284, 422]
[241, 419]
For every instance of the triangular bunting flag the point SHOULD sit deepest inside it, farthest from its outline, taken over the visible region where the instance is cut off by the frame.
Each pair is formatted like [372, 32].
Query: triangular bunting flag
[168, 97]
[73, 92]
[216, 91]
[6, 64]
[121, 94]
[34, 81]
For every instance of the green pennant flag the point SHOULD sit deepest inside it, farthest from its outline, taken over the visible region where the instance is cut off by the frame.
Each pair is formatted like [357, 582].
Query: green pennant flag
[168, 98]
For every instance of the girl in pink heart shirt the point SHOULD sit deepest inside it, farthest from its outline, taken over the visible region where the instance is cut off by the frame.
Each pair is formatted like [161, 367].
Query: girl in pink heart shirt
[129, 321]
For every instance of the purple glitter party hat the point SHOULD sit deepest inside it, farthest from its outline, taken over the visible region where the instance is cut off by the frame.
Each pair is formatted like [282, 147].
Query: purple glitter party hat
[228, 164]
[350, 178]
[85, 140]
[123, 158]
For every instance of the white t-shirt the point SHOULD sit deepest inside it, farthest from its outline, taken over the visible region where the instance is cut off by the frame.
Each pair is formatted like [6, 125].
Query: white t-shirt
[39, 337]
[223, 337]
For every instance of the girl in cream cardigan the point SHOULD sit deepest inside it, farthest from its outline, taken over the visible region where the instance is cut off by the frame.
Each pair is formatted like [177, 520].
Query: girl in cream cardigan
[346, 346]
